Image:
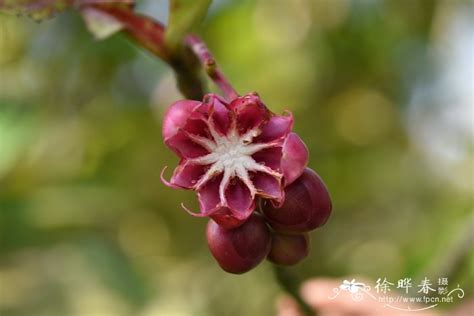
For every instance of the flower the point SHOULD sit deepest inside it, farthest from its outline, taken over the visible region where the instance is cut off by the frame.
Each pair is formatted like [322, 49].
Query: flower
[231, 154]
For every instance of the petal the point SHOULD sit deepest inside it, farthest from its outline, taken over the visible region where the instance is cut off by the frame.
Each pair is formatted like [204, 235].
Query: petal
[183, 117]
[177, 116]
[294, 158]
[250, 112]
[208, 195]
[270, 157]
[276, 128]
[184, 147]
[224, 217]
[186, 175]
[267, 186]
[197, 127]
[220, 113]
[239, 199]
[210, 205]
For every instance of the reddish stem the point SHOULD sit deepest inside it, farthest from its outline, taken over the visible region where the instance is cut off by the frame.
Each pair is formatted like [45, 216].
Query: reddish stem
[143, 30]
[150, 34]
[210, 66]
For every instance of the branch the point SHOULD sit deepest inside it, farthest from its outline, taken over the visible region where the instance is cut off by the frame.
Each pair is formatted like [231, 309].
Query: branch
[186, 60]
[144, 31]
[150, 34]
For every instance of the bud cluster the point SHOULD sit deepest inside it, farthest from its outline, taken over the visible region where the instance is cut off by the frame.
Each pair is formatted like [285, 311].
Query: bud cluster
[249, 171]
[278, 233]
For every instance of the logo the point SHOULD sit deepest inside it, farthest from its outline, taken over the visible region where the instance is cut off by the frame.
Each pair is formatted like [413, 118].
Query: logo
[409, 297]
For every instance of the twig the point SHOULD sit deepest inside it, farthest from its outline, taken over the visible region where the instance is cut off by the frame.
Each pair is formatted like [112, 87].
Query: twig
[210, 66]
[145, 31]
[186, 60]
[150, 34]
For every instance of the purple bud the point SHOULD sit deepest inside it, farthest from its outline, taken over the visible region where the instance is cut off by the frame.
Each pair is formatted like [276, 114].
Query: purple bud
[288, 250]
[240, 249]
[307, 205]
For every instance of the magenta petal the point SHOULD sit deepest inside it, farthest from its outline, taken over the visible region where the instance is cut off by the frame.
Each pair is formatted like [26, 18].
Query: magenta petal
[177, 116]
[176, 120]
[276, 128]
[224, 217]
[239, 199]
[294, 158]
[197, 127]
[186, 175]
[239, 204]
[267, 186]
[185, 147]
[208, 195]
[270, 157]
[220, 114]
[250, 112]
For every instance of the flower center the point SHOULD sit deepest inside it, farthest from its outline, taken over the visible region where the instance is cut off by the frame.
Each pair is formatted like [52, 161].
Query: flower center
[231, 155]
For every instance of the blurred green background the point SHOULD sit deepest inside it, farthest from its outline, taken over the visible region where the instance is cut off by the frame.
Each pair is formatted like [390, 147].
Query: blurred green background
[382, 93]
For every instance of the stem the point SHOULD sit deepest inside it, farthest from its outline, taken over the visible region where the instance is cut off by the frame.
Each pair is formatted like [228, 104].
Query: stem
[186, 60]
[143, 30]
[210, 66]
[188, 74]
[290, 283]
[150, 34]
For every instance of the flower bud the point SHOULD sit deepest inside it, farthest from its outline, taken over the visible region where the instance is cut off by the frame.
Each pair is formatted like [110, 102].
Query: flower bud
[240, 249]
[288, 250]
[307, 205]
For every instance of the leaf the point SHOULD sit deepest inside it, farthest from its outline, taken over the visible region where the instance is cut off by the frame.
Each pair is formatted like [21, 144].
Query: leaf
[184, 16]
[43, 9]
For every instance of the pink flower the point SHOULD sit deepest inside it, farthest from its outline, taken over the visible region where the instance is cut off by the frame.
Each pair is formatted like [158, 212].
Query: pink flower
[231, 154]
